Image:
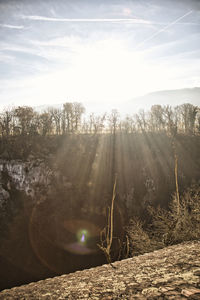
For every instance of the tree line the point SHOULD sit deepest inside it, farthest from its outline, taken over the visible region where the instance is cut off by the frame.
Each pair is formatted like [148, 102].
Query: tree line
[71, 119]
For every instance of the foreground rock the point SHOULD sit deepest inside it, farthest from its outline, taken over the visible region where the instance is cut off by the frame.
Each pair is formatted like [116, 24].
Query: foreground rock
[169, 273]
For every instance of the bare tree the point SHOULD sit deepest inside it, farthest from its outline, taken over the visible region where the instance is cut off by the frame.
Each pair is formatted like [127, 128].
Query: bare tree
[189, 113]
[56, 117]
[45, 123]
[170, 119]
[78, 110]
[24, 115]
[141, 120]
[128, 124]
[113, 119]
[72, 113]
[6, 122]
[96, 123]
[157, 117]
[106, 235]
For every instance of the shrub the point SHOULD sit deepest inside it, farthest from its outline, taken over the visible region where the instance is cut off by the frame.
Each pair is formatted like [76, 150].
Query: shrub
[139, 241]
[181, 223]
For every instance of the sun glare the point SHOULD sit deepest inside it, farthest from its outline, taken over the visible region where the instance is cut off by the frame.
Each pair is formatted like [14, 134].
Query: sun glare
[105, 71]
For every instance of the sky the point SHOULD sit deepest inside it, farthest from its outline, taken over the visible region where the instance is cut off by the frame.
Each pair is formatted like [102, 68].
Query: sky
[99, 52]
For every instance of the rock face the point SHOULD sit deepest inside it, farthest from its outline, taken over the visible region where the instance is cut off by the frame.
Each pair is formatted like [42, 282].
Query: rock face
[169, 273]
[25, 175]
[42, 212]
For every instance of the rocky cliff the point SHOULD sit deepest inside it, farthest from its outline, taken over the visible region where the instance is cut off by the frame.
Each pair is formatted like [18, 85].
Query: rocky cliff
[169, 273]
[42, 214]
[25, 176]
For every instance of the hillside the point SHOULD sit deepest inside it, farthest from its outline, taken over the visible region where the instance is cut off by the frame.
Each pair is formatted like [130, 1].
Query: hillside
[164, 97]
[170, 273]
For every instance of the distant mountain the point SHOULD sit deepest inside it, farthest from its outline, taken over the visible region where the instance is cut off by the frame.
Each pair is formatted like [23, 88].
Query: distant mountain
[171, 97]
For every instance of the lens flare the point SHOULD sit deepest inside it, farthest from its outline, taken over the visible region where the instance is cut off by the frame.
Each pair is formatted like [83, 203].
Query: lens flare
[83, 238]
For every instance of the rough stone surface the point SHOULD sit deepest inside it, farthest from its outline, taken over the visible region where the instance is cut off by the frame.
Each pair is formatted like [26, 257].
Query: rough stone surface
[27, 175]
[169, 273]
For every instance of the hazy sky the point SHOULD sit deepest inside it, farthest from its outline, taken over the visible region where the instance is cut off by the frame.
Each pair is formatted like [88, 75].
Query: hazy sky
[99, 52]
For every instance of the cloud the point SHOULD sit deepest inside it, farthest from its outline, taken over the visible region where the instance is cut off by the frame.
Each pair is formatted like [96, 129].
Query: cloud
[15, 48]
[119, 20]
[111, 20]
[12, 26]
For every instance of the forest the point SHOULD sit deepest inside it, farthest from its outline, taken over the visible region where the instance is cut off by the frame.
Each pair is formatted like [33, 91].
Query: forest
[71, 119]
[115, 186]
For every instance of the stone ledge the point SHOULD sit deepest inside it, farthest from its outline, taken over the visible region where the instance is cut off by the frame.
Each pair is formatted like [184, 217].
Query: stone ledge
[169, 273]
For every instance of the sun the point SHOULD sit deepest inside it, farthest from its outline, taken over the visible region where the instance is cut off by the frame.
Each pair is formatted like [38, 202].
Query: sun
[108, 70]
[105, 72]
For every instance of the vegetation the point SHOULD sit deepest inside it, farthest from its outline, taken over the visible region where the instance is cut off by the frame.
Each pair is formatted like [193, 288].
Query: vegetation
[24, 120]
[179, 223]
